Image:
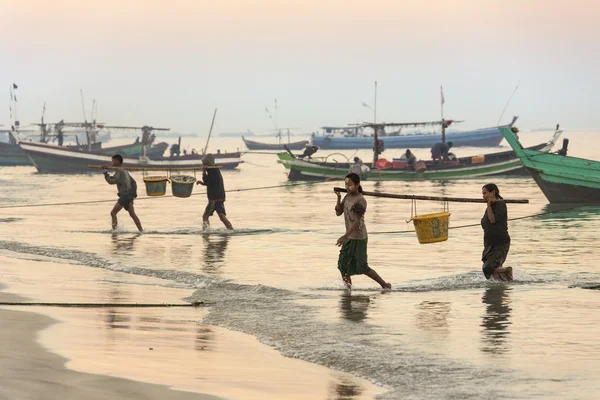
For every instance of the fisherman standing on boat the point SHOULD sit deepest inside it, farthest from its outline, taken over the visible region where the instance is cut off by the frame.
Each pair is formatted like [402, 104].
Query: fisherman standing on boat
[410, 159]
[496, 241]
[127, 192]
[440, 151]
[356, 167]
[215, 191]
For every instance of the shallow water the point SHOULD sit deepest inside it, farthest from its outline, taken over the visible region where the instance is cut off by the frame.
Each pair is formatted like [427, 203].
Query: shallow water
[443, 332]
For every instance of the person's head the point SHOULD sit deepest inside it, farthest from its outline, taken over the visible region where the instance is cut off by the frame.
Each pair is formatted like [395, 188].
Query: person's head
[208, 160]
[353, 183]
[408, 153]
[490, 191]
[117, 160]
[356, 159]
[450, 144]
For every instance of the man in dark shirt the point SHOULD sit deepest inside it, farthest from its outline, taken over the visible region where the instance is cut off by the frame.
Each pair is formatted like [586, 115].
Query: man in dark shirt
[440, 151]
[215, 191]
[496, 240]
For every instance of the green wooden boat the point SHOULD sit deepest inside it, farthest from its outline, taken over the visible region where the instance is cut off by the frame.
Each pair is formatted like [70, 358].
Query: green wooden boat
[330, 167]
[563, 179]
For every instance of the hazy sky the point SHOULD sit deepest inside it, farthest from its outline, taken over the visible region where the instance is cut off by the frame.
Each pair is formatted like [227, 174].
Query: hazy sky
[170, 63]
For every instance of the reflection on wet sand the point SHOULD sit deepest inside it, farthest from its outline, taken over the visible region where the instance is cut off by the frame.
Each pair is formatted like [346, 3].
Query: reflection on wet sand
[123, 244]
[495, 321]
[433, 316]
[214, 253]
[344, 389]
[354, 308]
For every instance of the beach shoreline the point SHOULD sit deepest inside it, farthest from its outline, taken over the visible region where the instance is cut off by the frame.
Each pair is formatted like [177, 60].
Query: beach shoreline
[136, 353]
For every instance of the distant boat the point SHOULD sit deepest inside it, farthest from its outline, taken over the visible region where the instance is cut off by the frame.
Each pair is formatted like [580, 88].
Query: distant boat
[561, 178]
[252, 145]
[486, 137]
[50, 159]
[502, 163]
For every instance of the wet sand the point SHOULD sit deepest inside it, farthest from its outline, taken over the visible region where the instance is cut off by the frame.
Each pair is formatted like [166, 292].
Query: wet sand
[166, 346]
[28, 371]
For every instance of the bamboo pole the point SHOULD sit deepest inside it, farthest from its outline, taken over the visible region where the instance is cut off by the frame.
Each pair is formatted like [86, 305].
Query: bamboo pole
[126, 168]
[433, 198]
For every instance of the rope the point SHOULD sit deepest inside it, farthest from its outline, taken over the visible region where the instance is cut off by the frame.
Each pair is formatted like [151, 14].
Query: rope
[510, 219]
[104, 305]
[155, 197]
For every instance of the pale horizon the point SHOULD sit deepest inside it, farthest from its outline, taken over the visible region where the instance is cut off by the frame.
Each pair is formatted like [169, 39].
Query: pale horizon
[170, 64]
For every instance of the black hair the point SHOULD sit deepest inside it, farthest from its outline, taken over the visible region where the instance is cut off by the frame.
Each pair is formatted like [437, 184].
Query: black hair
[450, 144]
[356, 180]
[118, 157]
[490, 187]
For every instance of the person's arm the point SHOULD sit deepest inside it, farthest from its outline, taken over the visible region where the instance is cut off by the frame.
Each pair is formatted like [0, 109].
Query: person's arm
[339, 207]
[497, 212]
[112, 180]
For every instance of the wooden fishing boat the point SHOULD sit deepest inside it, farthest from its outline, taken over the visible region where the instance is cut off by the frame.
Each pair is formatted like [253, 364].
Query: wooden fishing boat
[562, 179]
[486, 137]
[252, 145]
[51, 159]
[501, 163]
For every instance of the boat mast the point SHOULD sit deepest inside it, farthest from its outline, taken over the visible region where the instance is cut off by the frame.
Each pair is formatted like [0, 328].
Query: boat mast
[443, 122]
[209, 132]
[14, 122]
[375, 128]
[87, 130]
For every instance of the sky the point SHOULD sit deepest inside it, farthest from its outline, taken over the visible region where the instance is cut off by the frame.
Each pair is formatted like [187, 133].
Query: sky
[171, 63]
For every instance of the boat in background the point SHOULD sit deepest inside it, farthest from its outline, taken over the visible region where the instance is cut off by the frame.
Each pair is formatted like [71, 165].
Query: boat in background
[51, 159]
[253, 145]
[562, 179]
[501, 163]
[486, 137]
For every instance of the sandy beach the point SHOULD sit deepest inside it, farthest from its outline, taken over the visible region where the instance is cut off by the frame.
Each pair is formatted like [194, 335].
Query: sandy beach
[137, 353]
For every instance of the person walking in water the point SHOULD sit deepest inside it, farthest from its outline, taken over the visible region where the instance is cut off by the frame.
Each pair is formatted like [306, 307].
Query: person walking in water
[496, 241]
[353, 254]
[215, 191]
[127, 192]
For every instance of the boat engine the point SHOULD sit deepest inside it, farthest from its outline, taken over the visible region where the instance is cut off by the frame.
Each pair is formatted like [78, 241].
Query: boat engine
[563, 150]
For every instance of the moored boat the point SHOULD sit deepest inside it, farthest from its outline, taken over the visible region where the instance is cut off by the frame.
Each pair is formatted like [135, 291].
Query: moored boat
[562, 179]
[50, 159]
[500, 163]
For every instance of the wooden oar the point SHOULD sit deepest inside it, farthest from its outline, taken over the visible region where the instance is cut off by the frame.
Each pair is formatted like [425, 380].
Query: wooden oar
[433, 198]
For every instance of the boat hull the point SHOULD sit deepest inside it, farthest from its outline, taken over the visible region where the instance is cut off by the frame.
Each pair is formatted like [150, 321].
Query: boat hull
[13, 155]
[503, 163]
[487, 137]
[56, 160]
[561, 178]
[252, 145]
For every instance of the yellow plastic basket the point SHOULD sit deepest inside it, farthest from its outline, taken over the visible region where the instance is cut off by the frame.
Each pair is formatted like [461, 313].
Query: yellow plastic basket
[156, 185]
[431, 228]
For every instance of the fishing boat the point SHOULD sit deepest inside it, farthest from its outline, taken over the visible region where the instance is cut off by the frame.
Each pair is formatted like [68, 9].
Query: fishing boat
[562, 179]
[486, 137]
[11, 153]
[252, 145]
[330, 167]
[51, 159]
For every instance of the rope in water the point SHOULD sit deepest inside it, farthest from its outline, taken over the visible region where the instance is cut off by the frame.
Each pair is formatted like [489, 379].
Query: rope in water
[510, 219]
[158, 197]
[103, 305]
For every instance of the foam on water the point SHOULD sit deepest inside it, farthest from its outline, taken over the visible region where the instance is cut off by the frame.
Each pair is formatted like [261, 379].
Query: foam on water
[277, 318]
[191, 231]
[78, 257]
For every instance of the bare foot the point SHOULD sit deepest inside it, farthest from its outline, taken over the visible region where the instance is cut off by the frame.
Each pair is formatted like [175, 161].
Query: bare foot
[387, 286]
[509, 273]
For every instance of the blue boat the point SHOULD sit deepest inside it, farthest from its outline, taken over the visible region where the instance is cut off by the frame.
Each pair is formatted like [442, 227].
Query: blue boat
[486, 137]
